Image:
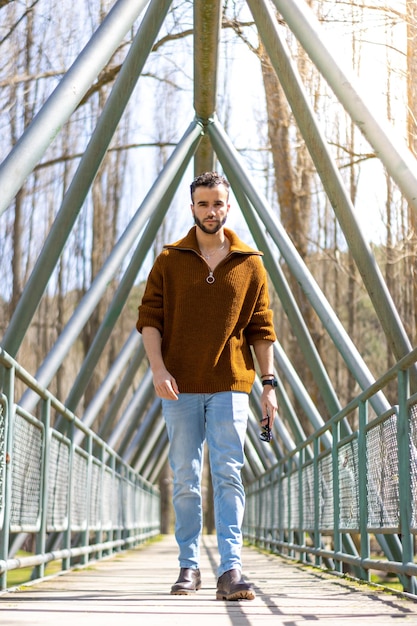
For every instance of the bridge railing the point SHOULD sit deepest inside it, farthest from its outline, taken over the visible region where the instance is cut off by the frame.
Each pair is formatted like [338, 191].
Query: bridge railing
[352, 506]
[74, 503]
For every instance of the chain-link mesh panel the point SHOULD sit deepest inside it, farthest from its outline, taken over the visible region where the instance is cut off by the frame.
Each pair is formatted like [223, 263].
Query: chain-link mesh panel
[94, 520]
[348, 486]
[58, 487]
[108, 499]
[128, 505]
[326, 493]
[26, 475]
[2, 457]
[276, 500]
[295, 502]
[382, 472]
[413, 465]
[264, 513]
[139, 508]
[78, 491]
[284, 503]
[268, 505]
[308, 497]
[118, 502]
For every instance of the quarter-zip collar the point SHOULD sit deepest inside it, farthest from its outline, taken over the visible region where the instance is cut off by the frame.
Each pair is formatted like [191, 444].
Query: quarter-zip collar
[189, 242]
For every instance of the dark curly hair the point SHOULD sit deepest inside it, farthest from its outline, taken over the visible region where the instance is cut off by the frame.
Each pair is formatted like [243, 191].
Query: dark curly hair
[208, 179]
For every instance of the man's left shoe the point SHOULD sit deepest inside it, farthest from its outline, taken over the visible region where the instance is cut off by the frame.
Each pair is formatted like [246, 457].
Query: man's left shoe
[230, 586]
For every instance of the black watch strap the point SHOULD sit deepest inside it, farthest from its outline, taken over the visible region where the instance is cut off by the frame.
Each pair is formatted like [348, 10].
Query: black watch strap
[270, 381]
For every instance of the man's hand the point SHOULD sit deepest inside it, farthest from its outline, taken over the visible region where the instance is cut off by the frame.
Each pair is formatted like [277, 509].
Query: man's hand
[269, 405]
[165, 385]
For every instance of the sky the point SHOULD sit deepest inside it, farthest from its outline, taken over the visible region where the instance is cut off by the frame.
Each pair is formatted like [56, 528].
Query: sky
[241, 106]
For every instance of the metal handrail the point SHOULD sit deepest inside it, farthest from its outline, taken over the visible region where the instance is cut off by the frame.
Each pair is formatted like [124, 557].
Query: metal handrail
[77, 502]
[367, 497]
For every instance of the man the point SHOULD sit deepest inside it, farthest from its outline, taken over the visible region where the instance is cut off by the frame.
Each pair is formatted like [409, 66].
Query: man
[205, 304]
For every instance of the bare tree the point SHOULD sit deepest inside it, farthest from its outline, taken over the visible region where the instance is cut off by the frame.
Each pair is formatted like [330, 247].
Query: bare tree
[411, 9]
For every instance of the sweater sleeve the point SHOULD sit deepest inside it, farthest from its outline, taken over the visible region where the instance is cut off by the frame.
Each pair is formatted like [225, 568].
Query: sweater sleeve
[261, 325]
[151, 311]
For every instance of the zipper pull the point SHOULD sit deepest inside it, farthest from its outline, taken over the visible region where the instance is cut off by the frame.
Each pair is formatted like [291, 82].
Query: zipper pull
[210, 278]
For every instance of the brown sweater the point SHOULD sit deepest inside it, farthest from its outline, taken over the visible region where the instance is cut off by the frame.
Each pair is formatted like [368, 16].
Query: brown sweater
[207, 329]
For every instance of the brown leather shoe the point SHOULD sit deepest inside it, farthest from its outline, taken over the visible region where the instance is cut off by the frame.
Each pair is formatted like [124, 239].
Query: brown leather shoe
[189, 581]
[230, 586]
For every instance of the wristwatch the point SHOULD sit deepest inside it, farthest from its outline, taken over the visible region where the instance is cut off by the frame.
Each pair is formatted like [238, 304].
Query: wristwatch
[270, 381]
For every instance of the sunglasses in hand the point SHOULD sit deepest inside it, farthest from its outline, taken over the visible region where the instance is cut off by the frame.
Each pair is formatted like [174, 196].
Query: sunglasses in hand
[266, 433]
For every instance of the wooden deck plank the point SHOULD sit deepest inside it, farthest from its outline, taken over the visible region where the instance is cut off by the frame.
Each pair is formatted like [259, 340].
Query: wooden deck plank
[134, 588]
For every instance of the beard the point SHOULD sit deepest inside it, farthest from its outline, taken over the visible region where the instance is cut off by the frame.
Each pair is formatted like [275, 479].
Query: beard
[214, 229]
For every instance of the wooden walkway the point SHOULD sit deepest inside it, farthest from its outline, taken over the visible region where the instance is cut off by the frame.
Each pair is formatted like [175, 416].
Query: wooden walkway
[134, 588]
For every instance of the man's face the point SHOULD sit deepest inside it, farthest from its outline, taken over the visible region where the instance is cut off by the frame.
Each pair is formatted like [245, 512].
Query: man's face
[210, 208]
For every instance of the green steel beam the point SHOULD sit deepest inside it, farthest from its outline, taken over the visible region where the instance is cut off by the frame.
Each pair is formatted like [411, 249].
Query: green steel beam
[159, 458]
[119, 396]
[66, 97]
[232, 160]
[165, 188]
[207, 26]
[139, 446]
[286, 297]
[132, 345]
[183, 152]
[387, 143]
[316, 143]
[135, 409]
[405, 451]
[8, 389]
[140, 398]
[94, 153]
[157, 440]
[300, 392]
[140, 438]
[255, 465]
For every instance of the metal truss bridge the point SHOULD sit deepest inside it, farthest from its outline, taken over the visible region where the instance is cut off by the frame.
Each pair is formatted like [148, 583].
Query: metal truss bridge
[329, 499]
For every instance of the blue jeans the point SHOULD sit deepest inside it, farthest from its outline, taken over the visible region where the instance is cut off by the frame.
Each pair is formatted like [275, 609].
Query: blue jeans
[221, 419]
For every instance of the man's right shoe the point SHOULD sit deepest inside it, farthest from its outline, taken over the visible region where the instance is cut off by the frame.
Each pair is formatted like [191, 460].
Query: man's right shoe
[189, 581]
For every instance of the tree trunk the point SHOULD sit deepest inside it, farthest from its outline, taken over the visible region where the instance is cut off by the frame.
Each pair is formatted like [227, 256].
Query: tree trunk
[412, 142]
[293, 180]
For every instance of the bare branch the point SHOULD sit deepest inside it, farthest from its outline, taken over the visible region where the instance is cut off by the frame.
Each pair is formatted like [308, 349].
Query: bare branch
[26, 78]
[3, 3]
[72, 157]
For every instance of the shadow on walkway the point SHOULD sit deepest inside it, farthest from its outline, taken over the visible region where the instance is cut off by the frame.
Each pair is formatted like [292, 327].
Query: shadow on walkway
[134, 586]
